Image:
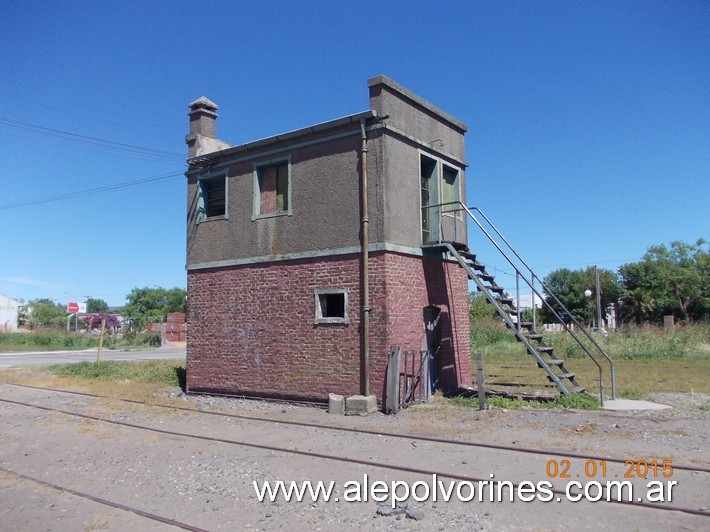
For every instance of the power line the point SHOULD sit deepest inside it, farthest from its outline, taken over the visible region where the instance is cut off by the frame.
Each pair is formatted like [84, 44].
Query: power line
[97, 190]
[107, 145]
[46, 94]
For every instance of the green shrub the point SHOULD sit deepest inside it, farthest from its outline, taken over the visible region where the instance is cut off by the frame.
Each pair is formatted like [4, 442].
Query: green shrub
[505, 402]
[488, 331]
[576, 401]
[48, 340]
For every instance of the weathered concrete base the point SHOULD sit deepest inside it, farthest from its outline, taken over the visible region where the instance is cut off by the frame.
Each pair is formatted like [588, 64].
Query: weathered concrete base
[336, 404]
[360, 405]
[630, 404]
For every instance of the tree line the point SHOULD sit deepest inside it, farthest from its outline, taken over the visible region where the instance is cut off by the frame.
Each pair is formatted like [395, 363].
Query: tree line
[669, 280]
[143, 306]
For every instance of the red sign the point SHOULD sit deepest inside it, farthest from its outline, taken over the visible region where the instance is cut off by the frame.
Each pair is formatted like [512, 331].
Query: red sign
[73, 308]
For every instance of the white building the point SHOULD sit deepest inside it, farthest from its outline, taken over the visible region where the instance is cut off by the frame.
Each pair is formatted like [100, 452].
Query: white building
[9, 310]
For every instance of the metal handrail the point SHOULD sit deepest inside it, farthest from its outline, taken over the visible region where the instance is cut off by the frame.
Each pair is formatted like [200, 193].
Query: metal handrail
[531, 283]
[534, 276]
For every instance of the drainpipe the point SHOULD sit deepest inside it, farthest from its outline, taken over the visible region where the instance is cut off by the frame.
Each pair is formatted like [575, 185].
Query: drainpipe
[365, 264]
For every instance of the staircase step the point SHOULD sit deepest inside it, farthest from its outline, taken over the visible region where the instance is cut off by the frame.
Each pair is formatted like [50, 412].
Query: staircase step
[524, 331]
[523, 325]
[551, 362]
[564, 376]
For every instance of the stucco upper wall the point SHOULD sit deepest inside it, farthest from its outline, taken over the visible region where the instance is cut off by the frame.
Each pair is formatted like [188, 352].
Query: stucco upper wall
[401, 185]
[416, 117]
[325, 205]
[325, 173]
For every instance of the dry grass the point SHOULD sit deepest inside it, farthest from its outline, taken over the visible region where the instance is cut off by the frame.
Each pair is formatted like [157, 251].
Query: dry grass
[633, 377]
[144, 392]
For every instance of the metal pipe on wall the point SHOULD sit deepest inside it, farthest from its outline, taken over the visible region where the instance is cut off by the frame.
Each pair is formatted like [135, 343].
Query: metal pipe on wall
[365, 264]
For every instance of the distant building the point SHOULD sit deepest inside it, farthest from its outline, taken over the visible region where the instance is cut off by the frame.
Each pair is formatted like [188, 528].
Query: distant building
[307, 255]
[9, 313]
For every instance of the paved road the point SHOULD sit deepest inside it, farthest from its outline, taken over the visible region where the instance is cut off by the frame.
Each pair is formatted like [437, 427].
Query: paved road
[32, 358]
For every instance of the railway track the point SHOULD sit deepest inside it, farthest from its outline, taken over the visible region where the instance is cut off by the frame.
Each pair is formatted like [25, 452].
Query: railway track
[105, 502]
[351, 460]
[463, 443]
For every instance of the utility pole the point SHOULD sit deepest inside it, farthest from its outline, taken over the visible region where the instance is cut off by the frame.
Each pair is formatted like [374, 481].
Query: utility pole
[599, 300]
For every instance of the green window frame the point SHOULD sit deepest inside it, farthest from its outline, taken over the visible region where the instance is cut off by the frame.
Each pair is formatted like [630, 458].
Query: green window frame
[212, 197]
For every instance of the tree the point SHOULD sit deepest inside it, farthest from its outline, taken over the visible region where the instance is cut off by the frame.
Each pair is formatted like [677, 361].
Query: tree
[637, 305]
[46, 313]
[96, 306]
[675, 279]
[94, 321]
[570, 285]
[152, 305]
[478, 306]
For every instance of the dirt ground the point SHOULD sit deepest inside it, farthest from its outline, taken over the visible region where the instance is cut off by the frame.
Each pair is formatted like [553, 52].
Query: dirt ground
[208, 484]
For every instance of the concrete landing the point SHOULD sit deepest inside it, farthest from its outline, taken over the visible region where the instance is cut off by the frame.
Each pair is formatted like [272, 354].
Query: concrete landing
[630, 404]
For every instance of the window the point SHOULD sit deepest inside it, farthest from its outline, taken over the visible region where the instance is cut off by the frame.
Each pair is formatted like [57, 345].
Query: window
[272, 186]
[212, 199]
[440, 184]
[429, 197]
[450, 188]
[331, 306]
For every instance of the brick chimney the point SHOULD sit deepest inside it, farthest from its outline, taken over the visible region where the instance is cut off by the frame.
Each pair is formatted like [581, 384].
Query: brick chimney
[202, 137]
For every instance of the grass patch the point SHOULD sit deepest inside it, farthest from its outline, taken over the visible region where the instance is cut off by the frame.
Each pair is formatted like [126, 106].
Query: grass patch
[633, 377]
[646, 359]
[155, 372]
[639, 343]
[577, 401]
[631, 393]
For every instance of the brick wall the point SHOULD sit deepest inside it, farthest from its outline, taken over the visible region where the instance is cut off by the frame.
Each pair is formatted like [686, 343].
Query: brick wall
[414, 283]
[251, 328]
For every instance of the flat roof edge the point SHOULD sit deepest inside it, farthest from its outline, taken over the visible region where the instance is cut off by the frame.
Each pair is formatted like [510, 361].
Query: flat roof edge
[289, 135]
[384, 80]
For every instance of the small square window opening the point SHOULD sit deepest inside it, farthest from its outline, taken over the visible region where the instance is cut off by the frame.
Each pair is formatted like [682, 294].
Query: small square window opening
[331, 306]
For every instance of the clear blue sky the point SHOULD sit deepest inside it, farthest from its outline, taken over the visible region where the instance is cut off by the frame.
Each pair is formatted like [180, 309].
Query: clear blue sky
[589, 122]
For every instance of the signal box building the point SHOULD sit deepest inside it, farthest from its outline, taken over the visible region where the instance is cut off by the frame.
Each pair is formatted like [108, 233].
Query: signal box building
[307, 256]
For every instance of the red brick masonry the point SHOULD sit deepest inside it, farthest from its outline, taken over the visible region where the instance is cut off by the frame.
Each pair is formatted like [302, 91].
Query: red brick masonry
[251, 330]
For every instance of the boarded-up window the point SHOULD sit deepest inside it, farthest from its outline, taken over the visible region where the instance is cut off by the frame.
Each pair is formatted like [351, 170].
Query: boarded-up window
[272, 181]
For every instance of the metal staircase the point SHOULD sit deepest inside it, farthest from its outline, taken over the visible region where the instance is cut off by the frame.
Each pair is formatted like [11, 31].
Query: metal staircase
[509, 307]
